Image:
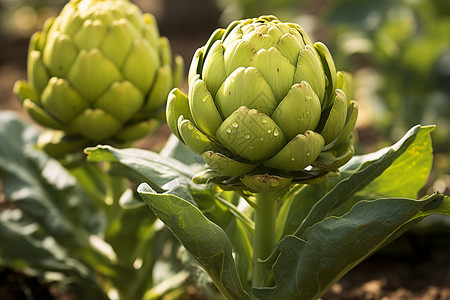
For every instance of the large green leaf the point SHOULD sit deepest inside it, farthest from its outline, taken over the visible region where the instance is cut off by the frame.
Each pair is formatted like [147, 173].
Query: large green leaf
[296, 208]
[309, 207]
[48, 194]
[364, 178]
[408, 173]
[205, 240]
[170, 172]
[157, 170]
[41, 186]
[409, 163]
[308, 265]
[221, 209]
[175, 149]
[22, 243]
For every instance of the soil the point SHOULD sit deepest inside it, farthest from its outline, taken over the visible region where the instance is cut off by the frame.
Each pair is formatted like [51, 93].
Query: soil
[411, 275]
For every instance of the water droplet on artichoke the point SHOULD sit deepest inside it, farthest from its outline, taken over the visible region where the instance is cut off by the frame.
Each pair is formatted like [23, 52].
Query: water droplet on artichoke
[276, 132]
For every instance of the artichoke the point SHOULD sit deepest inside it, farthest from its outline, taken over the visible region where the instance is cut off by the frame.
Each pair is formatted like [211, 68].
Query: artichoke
[98, 73]
[265, 107]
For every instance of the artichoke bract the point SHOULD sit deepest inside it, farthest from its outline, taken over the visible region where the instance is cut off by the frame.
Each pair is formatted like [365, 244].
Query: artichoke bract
[98, 73]
[265, 108]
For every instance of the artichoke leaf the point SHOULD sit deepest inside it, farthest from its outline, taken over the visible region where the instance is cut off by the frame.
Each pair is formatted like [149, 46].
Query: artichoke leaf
[91, 74]
[276, 69]
[57, 143]
[165, 51]
[199, 55]
[275, 33]
[309, 69]
[259, 40]
[60, 100]
[285, 28]
[36, 41]
[336, 119]
[214, 68]
[59, 55]
[90, 35]
[24, 91]
[118, 41]
[203, 109]
[299, 111]
[41, 116]
[95, 124]
[216, 35]
[232, 33]
[345, 83]
[299, 153]
[245, 87]
[352, 116]
[251, 134]
[301, 34]
[290, 47]
[135, 17]
[36, 71]
[209, 175]
[264, 182]
[178, 70]
[194, 138]
[330, 72]
[196, 63]
[137, 131]
[150, 31]
[177, 106]
[141, 66]
[238, 54]
[71, 23]
[225, 165]
[160, 89]
[333, 159]
[122, 100]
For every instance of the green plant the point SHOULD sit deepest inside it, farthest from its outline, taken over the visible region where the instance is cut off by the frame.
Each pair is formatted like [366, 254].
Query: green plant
[292, 240]
[264, 103]
[98, 73]
[80, 230]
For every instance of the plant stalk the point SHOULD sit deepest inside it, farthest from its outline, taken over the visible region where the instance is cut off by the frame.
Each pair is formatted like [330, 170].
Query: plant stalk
[265, 232]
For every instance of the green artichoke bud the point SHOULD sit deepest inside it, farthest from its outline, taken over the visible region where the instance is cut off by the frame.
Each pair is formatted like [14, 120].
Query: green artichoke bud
[265, 108]
[98, 73]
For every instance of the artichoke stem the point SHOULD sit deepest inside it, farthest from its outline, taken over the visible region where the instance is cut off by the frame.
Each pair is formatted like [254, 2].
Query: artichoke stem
[264, 236]
[115, 186]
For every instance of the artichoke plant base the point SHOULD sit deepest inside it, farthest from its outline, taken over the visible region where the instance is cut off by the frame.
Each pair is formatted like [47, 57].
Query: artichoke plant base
[265, 107]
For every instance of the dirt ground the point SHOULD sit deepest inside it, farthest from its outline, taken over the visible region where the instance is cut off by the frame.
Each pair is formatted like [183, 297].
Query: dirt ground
[420, 274]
